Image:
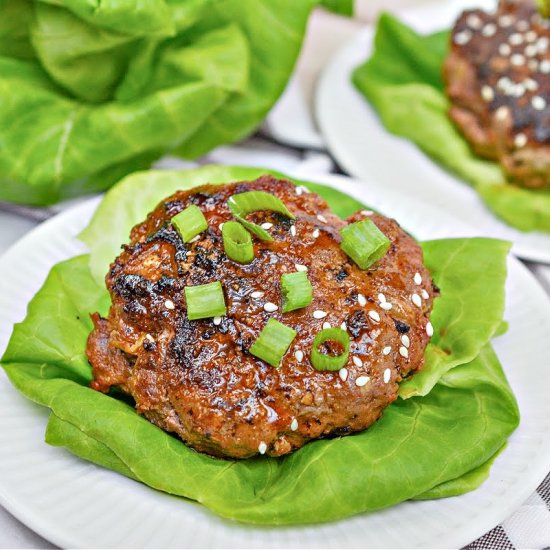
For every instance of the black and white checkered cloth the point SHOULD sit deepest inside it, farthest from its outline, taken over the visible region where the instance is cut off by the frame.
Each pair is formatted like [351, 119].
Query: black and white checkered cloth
[528, 527]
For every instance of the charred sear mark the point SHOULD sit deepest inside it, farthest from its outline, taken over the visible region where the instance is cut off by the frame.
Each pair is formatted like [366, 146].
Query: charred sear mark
[183, 343]
[173, 207]
[401, 327]
[168, 234]
[208, 260]
[132, 286]
[341, 274]
[357, 323]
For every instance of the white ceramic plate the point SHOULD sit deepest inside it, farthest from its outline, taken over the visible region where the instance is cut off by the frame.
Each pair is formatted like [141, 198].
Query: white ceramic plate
[77, 504]
[364, 149]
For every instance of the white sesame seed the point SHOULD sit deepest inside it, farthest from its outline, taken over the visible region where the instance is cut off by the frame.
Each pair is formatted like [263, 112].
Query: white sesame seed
[300, 267]
[169, 304]
[357, 362]
[149, 338]
[374, 315]
[474, 21]
[424, 294]
[217, 320]
[520, 140]
[326, 325]
[366, 212]
[487, 93]
[531, 36]
[518, 90]
[538, 103]
[504, 50]
[262, 448]
[195, 239]
[362, 300]
[530, 84]
[405, 340]
[404, 352]
[318, 314]
[522, 26]
[416, 300]
[462, 38]
[501, 113]
[361, 381]
[417, 279]
[293, 230]
[343, 326]
[343, 374]
[321, 218]
[489, 30]
[381, 297]
[517, 59]
[220, 227]
[257, 294]
[429, 329]
[515, 39]
[301, 189]
[544, 66]
[387, 375]
[299, 354]
[266, 225]
[294, 425]
[386, 350]
[386, 306]
[505, 21]
[270, 307]
[530, 51]
[316, 233]
[542, 44]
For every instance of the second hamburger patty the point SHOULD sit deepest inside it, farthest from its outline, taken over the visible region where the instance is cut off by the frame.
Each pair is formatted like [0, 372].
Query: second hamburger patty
[497, 76]
[199, 380]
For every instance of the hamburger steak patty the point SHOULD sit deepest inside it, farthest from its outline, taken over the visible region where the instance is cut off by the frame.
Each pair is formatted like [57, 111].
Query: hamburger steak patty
[497, 76]
[198, 378]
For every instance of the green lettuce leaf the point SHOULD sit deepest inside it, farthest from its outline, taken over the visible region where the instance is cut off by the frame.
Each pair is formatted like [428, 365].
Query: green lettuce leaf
[91, 91]
[398, 458]
[402, 81]
[464, 269]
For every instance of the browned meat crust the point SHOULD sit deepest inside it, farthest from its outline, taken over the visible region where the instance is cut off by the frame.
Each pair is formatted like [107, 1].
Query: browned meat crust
[497, 76]
[198, 379]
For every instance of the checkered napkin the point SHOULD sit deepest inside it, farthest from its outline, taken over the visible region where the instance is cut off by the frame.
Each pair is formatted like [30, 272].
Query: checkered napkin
[528, 527]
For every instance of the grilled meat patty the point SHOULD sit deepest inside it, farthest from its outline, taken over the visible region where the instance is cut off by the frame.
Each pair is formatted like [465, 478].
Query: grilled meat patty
[199, 380]
[497, 76]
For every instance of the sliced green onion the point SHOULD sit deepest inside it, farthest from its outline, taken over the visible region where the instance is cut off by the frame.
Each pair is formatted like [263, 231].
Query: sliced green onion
[297, 291]
[273, 342]
[364, 243]
[204, 301]
[243, 204]
[237, 242]
[189, 223]
[322, 361]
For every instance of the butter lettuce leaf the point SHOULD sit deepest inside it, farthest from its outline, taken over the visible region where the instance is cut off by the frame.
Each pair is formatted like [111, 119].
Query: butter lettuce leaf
[402, 81]
[91, 91]
[432, 445]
